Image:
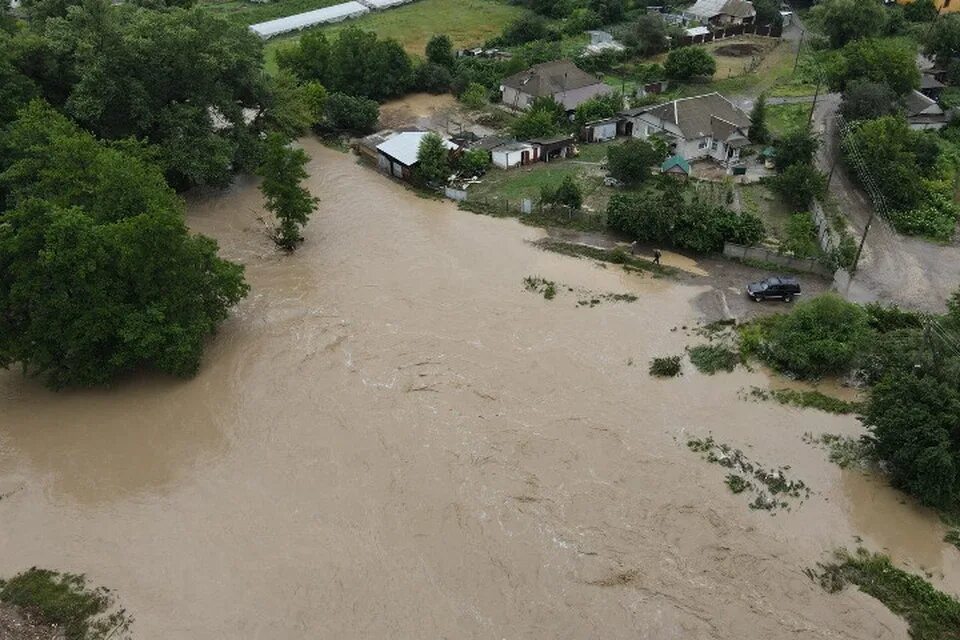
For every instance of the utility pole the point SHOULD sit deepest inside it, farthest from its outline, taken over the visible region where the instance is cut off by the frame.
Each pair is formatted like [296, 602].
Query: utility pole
[813, 107]
[796, 61]
[863, 239]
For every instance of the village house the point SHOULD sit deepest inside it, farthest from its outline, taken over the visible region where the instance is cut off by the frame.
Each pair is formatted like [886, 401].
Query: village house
[397, 154]
[601, 130]
[706, 126]
[514, 154]
[561, 80]
[923, 112]
[721, 12]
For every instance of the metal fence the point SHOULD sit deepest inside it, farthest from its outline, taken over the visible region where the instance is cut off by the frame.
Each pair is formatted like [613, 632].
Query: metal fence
[767, 31]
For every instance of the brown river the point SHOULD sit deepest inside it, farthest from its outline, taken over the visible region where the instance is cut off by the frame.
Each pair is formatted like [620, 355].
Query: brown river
[391, 438]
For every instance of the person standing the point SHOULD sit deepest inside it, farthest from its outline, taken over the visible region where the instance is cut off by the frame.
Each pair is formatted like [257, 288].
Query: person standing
[656, 256]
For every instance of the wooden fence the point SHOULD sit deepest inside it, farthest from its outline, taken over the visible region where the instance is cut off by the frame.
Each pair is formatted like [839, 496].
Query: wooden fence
[767, 31]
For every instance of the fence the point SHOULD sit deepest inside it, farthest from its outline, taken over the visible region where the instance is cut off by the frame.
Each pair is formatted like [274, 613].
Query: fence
[767, 31]
[759, 254]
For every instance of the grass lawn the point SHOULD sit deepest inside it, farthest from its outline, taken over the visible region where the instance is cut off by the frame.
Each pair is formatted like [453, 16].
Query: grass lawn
[774, 212]
[783, 118]
[247, 13]
[467, 22]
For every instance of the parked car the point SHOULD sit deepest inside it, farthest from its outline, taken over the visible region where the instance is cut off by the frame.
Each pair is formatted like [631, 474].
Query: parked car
[774, 288]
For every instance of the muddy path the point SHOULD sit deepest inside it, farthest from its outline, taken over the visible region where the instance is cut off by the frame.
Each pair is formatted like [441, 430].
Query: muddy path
[392, 438]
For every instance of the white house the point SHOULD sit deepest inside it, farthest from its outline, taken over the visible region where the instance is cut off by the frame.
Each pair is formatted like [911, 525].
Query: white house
[707, 126]
[514, 154]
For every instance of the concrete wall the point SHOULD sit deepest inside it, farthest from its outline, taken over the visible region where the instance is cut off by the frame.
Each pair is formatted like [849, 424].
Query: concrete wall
[807, 265]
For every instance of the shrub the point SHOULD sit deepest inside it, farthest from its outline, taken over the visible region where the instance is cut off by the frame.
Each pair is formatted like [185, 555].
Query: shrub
[801, 236]
[475, 162]
[687, 62]
[820, 337]
[568, 194]
[800, 185]
[351, 113]
[711, 358]
[474, 96]
[667, 367]
[433, 78]
[631, 161]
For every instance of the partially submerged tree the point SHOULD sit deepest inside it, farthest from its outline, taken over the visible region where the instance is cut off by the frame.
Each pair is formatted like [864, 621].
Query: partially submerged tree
[283, 171]
[99, 274]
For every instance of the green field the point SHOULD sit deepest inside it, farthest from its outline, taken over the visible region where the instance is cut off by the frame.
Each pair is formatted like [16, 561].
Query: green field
[246, 12]
[467, 22]
[783, 118]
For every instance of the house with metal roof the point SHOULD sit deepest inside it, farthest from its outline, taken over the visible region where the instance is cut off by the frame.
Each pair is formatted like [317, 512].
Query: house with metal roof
[721, 12]
[705, 126]
[397, 155]
[923, 112]
[561, 80]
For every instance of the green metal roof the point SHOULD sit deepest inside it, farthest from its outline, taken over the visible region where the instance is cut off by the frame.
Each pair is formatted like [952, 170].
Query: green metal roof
[675, 161]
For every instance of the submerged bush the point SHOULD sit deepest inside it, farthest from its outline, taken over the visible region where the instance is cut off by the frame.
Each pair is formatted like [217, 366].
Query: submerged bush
[711, 358]
[667, 367]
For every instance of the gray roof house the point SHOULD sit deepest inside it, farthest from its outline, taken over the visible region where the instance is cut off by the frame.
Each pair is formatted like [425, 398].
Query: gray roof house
[721, 12]
[923, 112]
[705, 126]
[561, 79]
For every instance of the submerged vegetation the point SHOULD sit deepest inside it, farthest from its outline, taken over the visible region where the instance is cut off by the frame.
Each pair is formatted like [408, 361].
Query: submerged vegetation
[931, 614]
[666, 367]
[806, 399]
[66, 601]
[712, 358]
[771, 488]
[540, 285]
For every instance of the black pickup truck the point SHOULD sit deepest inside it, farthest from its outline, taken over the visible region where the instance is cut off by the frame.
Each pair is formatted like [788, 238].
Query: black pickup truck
[780, 288]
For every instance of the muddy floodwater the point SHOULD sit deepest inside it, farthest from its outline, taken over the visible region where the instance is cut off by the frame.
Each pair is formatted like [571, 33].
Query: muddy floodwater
[392, 438]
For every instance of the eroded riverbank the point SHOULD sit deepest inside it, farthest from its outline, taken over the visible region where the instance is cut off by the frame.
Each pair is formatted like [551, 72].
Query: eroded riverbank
[392, 438]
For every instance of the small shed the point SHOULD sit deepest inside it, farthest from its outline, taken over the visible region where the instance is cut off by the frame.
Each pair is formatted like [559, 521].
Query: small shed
[514, 154]
[555, 147]
[676, 166]
[397, 155]
[601, 130]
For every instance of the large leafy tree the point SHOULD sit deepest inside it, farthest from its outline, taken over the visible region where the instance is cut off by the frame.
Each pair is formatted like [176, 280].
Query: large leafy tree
[631, 161]
[942, 38]
[687, 62]
[844, 21]
[798, 146]
[98, 272]
[885, 61]
[283, 172]
[865, 100]
[178, 79]
[440, 51]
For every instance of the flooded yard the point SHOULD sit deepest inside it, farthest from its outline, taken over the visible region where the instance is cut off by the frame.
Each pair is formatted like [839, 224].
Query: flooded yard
[392, 438]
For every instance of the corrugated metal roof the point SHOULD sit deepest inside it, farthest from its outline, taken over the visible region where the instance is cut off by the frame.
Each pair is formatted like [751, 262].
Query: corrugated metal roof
[403, 147]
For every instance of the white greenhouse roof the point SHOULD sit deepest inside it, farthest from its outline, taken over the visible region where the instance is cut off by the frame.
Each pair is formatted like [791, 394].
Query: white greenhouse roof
[404, 146]
[384, 4]
[697, 31]
[336, 13]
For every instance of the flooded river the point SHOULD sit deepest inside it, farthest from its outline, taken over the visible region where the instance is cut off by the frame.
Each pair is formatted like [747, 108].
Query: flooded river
[391, 438]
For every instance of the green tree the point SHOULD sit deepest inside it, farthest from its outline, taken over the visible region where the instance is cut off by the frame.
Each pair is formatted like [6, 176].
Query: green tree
[285, 106]
[432, 78]
[941, 39]
[768, 12]
[799, 184]
[822, 336]
[759, 134]
[475, 162]
[865, 100]
[282, 171]
[474, 96]
[315, 96]
[308, 58]
[844, 21]
[525, 29]
[631, 161]
[610, 11]
[597, 108]
[433, 160]
[99, 275]
[567, 194]
[915, 420]
[648, 35]
[885, 61]
[798, 146]
[688, 62]
[440, 51]
[920, 11]
[349, 113]
[536, 123]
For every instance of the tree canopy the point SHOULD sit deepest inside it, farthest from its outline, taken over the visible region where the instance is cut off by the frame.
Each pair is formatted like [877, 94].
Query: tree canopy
[98, 272]
[844, 21]
[687, 62]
